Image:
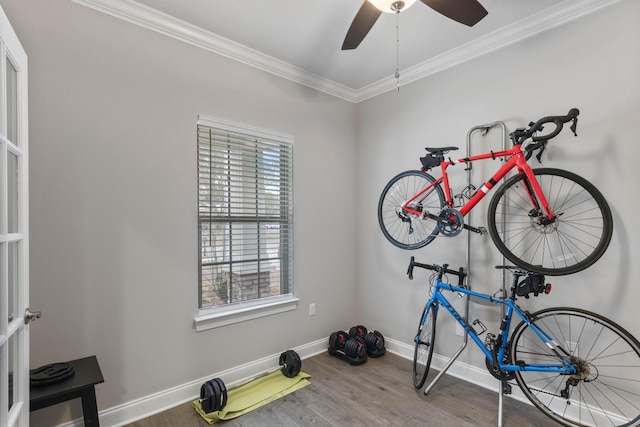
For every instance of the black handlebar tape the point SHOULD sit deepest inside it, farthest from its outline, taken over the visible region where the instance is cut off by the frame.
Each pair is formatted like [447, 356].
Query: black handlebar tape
[556, 120]
[441, 270]
[410, 269]
[548, 136]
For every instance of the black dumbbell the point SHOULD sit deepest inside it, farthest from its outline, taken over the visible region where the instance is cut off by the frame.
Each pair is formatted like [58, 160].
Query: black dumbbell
[213, 393]
[374, 341]
[352, 347]
[357, 331]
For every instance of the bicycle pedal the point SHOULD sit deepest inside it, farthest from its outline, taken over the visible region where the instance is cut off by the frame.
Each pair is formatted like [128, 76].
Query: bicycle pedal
[479, 230]
[506, 387]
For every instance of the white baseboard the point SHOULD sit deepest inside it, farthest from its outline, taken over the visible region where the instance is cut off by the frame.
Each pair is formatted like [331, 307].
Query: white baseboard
[158, 402]
[166, 399]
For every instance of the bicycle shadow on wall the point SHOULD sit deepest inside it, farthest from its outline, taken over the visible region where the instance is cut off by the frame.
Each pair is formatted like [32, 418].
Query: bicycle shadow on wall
[605, 169]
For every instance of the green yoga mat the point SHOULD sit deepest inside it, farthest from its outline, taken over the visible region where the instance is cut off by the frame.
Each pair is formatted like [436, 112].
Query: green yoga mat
[253, 395]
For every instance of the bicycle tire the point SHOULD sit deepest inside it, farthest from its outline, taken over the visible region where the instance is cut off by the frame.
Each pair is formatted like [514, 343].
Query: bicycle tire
[607, 382]
[577, 238]
[400, 228]
[424, 342]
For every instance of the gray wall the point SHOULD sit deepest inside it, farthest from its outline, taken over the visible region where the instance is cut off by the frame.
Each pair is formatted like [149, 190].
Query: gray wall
[593, 64]
[113, 187]
[113, 111]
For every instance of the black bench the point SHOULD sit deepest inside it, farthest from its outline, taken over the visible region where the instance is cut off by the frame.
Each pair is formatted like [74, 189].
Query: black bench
[80, 385]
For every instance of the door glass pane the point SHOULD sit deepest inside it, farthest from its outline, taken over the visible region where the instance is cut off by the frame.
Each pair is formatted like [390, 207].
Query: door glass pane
[13, 273]
[3, 163]
[13, 387]
[12, 102]
[13, 196]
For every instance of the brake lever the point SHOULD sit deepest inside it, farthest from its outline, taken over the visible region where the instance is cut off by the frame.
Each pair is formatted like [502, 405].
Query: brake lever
[528, 155]
[539, 155]
[574, 126]
[530, 149]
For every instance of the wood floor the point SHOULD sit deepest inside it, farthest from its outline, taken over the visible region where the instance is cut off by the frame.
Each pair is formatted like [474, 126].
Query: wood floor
[377, 393]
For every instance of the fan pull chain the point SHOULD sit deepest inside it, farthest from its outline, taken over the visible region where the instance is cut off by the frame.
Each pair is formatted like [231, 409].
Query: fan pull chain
[397, 75]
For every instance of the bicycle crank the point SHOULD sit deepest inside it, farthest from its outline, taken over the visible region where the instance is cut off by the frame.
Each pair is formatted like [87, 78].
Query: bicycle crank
[440, 220]
[450, 222]
[498, 373]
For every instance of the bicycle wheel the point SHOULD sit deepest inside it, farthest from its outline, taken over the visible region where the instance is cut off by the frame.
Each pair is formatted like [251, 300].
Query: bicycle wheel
[605, 390]
[405, 230]
[577, 238]
[424, 341]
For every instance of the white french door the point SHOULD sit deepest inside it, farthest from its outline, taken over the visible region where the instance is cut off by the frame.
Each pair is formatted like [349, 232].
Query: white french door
[14, 215]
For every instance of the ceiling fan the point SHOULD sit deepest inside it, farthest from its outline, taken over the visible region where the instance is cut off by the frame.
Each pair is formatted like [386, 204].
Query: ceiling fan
[468, 12]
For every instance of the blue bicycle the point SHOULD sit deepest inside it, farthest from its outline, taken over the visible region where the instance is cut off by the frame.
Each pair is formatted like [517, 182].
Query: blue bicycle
[577, 367]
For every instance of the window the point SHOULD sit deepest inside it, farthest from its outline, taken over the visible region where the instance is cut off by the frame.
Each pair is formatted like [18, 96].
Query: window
[245, 218]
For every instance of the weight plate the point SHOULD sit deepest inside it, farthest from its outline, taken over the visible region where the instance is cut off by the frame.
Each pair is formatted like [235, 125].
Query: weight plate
[358, 330]
[215, 396]
[355, 348]
[222, 397]
[374, 341]
[337, 340]
[206, 397]
[291, 363]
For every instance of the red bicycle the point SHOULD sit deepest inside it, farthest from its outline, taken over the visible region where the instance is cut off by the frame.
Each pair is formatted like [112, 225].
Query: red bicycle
[549, 221]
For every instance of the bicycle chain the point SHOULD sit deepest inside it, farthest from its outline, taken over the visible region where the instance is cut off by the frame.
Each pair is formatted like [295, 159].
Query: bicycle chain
[535, 389]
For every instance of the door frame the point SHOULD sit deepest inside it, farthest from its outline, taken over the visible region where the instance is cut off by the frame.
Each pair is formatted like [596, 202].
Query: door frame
[14, 230]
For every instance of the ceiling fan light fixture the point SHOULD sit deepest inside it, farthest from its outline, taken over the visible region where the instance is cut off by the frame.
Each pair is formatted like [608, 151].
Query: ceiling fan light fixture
[392, 6]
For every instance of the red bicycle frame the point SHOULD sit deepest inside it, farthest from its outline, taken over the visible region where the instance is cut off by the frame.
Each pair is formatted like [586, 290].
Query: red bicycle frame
[516, 159]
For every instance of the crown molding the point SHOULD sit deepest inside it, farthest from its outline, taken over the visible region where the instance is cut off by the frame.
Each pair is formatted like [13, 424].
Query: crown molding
[151, 19]
[143, 16]
[530, 26]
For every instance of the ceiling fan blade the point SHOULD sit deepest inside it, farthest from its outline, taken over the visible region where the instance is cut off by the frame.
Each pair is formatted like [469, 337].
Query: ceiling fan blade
[362, 23]
[468, 12]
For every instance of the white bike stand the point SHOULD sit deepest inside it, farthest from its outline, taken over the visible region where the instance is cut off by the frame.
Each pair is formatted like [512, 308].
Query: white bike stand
[505, 141]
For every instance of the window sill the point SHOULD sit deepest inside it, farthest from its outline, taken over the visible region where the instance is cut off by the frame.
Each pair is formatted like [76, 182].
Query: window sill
[216, 318]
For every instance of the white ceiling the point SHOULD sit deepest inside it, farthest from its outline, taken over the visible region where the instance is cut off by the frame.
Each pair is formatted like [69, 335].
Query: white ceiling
[301, 39]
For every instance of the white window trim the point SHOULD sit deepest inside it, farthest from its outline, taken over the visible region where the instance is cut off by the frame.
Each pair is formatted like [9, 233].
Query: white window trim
[235, 313]
[216, 317]
[234, 127]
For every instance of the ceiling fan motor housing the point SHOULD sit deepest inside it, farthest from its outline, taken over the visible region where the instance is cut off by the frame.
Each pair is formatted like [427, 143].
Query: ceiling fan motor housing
[392, 6]
[467, 12]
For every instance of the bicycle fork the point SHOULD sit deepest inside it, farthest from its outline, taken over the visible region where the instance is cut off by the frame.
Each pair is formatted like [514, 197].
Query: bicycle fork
[541, 210]
[432, 304]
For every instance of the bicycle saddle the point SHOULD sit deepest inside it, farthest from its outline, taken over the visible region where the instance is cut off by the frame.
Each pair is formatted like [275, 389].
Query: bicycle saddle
[440, 150]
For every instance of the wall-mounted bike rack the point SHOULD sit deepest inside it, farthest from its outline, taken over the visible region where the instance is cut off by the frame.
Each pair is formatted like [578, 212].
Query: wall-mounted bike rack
[504, 386]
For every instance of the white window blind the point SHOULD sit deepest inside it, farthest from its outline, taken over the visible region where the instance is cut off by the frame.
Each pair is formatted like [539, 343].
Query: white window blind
[245, 214]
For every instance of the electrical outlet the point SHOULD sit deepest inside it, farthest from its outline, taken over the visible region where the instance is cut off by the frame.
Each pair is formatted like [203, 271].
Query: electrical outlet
[312, 309]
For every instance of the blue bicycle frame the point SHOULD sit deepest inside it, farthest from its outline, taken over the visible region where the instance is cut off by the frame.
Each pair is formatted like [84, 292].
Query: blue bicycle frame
[438, 299]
